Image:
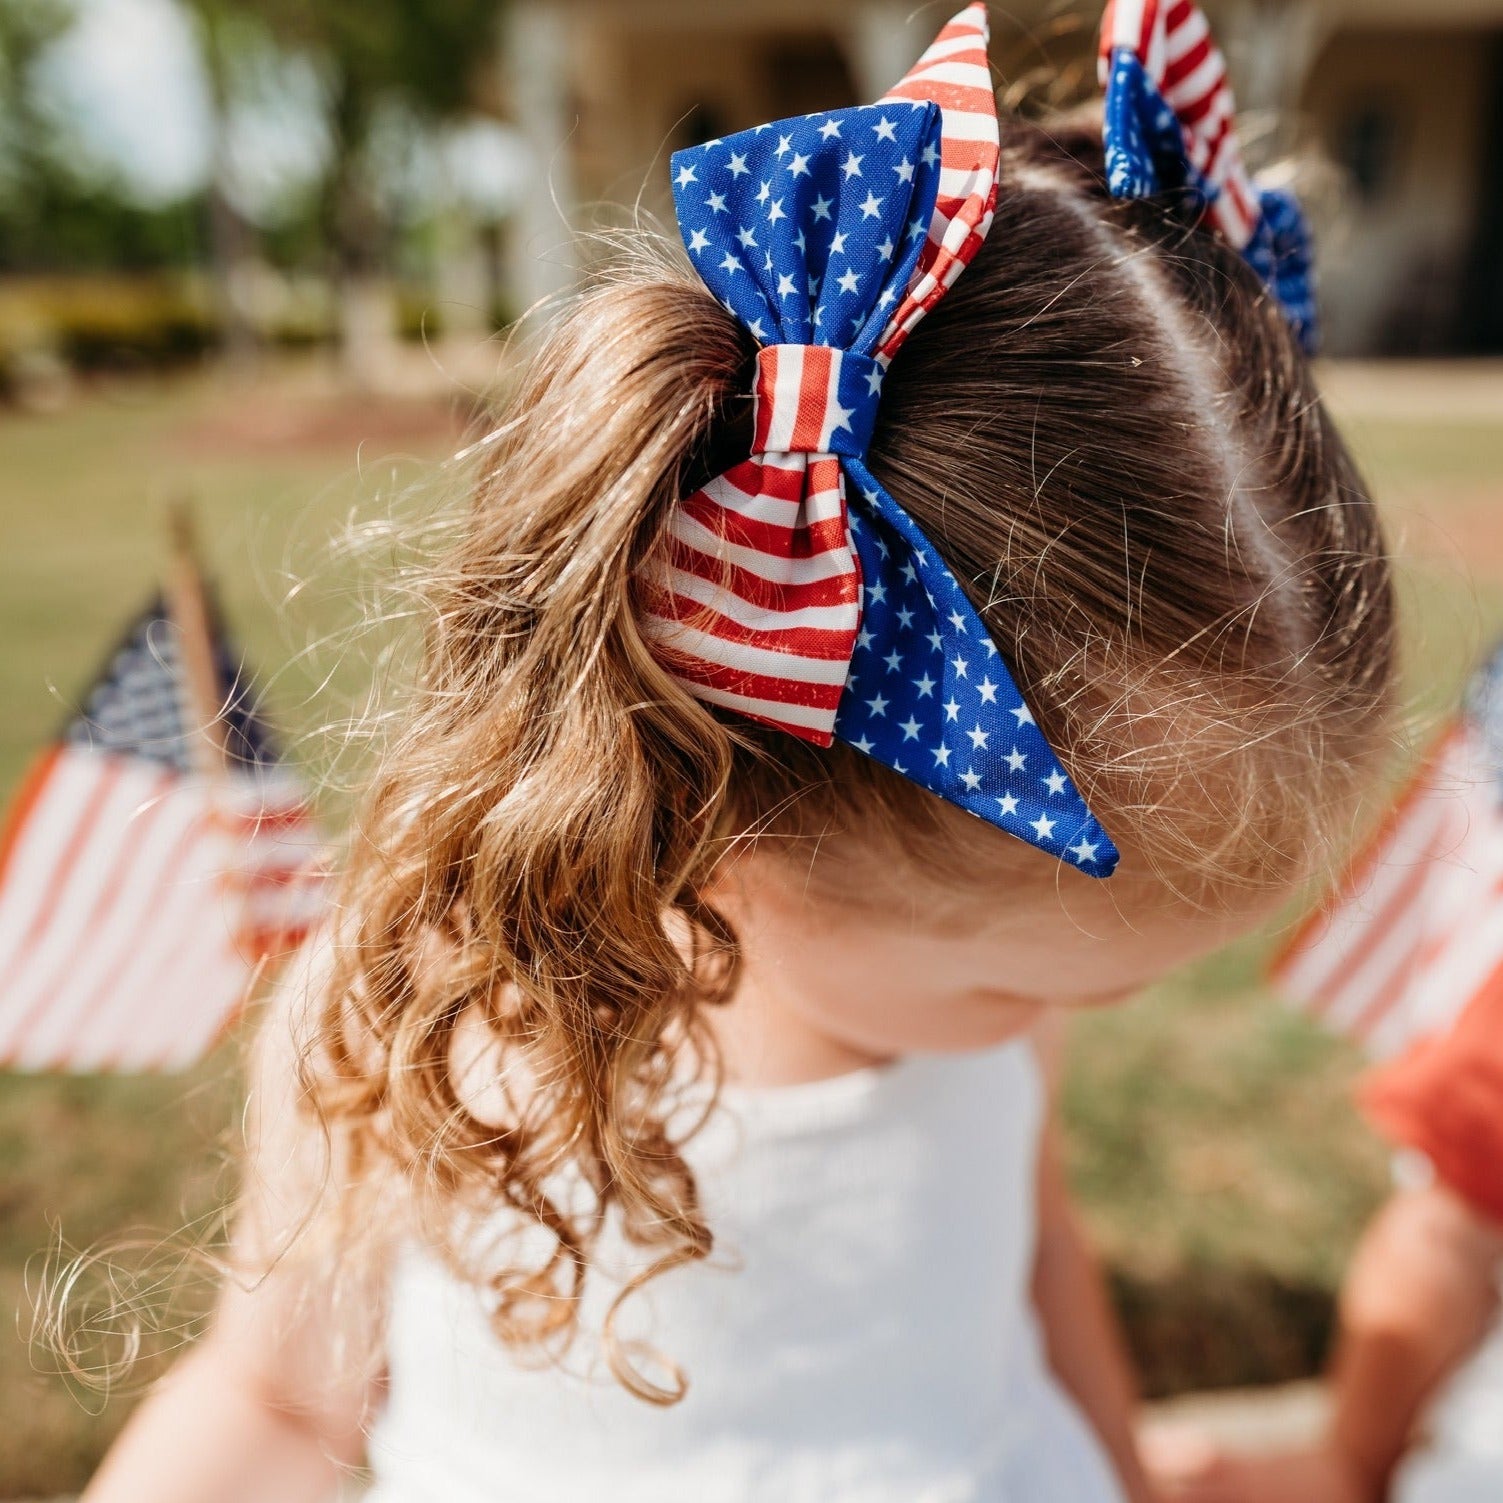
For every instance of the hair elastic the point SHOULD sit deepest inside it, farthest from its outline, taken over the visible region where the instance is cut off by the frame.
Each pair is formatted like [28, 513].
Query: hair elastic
[1171, 127]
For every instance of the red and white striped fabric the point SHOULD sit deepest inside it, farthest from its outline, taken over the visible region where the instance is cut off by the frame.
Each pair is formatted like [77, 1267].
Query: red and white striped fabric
[117, 947]
[1416, 927]
[761, 599]
[955, 74]
[1173, 41]
[796, 401]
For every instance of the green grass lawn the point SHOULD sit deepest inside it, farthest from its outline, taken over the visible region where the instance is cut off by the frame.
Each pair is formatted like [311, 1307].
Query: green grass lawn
[1210, 1135]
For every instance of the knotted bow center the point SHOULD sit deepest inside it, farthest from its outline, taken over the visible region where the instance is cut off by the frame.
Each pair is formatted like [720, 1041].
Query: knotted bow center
[813, 399]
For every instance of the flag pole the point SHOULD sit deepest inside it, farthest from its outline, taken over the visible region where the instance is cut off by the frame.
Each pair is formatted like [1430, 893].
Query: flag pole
[188, 608]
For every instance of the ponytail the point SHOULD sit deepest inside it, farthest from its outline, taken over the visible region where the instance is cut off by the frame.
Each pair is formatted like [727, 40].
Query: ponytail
[532, 853]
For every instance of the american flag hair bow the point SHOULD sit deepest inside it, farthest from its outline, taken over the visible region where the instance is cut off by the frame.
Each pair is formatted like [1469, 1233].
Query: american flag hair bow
[1171, 127]
[796, 590]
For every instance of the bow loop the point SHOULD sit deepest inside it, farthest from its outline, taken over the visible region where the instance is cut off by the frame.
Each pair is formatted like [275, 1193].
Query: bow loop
[809, 230]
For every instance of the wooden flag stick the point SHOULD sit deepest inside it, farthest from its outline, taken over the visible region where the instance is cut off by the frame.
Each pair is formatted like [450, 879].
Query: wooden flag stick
[188, 605]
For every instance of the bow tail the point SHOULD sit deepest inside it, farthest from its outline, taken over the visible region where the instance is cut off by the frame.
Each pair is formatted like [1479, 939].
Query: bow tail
[756, 607]
[930, 696]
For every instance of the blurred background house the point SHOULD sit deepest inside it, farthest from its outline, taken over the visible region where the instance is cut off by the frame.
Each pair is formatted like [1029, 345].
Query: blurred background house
[1404, 98]
[180, 175]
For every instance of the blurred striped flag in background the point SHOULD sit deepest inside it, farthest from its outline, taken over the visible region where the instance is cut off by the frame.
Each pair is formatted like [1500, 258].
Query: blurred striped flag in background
[157, 856]
[1415, 928]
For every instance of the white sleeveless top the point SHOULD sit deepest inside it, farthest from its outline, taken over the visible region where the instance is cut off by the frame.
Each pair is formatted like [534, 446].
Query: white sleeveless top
[863, 1330]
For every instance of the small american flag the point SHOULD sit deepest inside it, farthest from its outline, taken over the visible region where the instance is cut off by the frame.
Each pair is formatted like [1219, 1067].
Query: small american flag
[139, 892]
[1416, 927]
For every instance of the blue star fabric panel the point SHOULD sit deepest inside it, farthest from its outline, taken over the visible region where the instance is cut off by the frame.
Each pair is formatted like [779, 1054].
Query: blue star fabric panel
[808, 230]
[930, 696]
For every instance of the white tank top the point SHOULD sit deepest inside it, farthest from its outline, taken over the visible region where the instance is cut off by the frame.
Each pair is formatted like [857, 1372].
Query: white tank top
[862, 1332]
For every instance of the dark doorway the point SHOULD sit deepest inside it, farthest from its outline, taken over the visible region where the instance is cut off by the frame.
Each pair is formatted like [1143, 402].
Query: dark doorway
[1480, 330]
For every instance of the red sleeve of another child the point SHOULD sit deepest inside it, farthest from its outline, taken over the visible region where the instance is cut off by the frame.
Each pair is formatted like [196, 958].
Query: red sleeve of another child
[1445, 1098]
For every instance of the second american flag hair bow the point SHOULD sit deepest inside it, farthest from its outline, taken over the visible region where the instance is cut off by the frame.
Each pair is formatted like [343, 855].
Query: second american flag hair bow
[1171, 127]
[797, 591]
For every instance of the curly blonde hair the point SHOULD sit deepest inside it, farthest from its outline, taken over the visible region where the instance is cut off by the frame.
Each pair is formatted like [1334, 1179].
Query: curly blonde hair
[1108, 432]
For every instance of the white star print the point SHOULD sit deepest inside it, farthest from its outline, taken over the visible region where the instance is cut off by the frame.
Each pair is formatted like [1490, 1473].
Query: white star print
[894, 660]
[988, 691]
[1085, 851]
[786, 287]
[924, 685]
[863, 638]
[935, 640]
[755, 326]
[971, 779]
[886, 249]
[916, 229]
[737, 165]
[910, 729]
[1008, 804]
[930, 155]
[799, 165]
[1023, 715]
[941, 756]
[813, 286]
[1015, 760]
[1043, 826]
[798, 240]
[747, 236]
[978, 737]
[852, 165]
[952, 710]
[820, 208]
[909, 573]
[871, 206]
[875, 593]
[1055, 782]
[685, 176]
[730, 263]
[764, 192]
[715, 203]
[873, 386]
[698, 240]
[785, 145]
[959, 665]
[886, 129]
[843, 420]
[775, 211]
[905, 618]
[957, 621]
[830, 128]
[877, 706]
[863, 745]
[837, 243]
[848, 281]
[904, 170]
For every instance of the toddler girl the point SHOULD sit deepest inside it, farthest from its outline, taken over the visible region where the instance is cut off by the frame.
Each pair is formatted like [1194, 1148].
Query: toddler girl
[665, 1118]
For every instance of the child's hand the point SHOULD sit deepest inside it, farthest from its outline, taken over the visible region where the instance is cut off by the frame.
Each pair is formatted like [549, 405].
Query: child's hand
[1187, 1467]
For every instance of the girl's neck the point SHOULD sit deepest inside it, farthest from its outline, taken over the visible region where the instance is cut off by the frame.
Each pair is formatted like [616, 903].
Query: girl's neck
[765, 1041]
